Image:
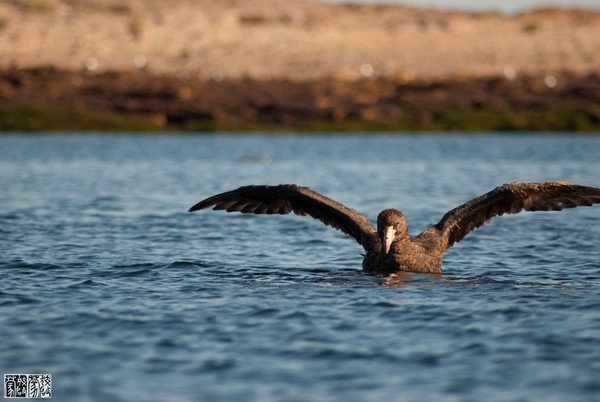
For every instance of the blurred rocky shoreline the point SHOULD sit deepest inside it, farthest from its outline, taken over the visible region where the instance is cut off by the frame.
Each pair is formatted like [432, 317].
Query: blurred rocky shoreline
[294, 65]
[51, 99]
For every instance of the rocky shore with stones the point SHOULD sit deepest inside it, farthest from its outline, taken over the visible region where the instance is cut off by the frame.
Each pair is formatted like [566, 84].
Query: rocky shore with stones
[294, 65]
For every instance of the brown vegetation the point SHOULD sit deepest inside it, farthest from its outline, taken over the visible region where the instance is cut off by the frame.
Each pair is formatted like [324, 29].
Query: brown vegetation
[53, 99]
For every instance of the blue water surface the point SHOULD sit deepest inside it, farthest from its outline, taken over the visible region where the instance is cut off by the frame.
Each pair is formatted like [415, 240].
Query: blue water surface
[112, 287]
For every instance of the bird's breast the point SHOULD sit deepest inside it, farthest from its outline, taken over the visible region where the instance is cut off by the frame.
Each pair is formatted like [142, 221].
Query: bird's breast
[411, 260]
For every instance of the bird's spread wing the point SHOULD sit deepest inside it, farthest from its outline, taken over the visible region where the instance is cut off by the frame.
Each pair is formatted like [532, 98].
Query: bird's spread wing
[287, 198]
[509, 199]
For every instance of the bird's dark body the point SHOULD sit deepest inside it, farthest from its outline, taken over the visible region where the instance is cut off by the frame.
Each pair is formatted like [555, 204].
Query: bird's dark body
[411, 260]
[390, 248]
[404, 256]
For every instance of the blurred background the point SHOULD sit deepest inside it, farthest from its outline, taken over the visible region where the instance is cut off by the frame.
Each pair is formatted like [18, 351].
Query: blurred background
[506, 6]
[299, 65]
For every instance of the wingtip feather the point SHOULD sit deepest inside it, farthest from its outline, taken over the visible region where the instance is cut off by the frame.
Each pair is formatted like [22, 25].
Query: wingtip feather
[197, 207]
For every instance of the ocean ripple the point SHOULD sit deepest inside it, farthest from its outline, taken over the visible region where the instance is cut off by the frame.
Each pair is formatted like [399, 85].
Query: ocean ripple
[119, 293]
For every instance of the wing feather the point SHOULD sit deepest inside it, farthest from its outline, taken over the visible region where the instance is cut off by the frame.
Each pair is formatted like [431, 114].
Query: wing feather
[509, 199]
[287, 198]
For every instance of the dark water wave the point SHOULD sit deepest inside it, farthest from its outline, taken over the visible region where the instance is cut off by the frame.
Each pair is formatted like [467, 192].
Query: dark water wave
[109, 285]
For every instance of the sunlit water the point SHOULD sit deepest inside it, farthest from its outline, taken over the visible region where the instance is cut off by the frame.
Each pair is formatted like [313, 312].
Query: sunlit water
[113, 288]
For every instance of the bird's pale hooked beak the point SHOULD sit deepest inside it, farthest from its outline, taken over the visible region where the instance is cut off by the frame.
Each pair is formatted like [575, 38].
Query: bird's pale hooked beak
[388, 238]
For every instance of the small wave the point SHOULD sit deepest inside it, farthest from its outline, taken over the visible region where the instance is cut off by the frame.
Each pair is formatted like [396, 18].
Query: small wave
[142, 265]
[88, 283]
[475, 348]
[259, 159]
[264, 312]
[9, 217]
[189, 264]
[107, 202]
[167, 343]
[427, 359]
[295, 315]
[503, 281]
[334, 353]
[316, 270]
[36, 266]
[139, 272]
[484, 279]
[313, 242]
[105, 198]
[125, 271]
[8, 299]
[385, 304]
[214, 365]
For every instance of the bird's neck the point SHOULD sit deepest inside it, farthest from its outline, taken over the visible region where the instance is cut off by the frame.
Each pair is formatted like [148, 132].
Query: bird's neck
[401, 243]
[403, 236]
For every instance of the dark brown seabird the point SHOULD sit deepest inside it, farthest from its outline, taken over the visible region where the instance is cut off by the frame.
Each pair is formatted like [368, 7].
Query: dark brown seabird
[390, 248]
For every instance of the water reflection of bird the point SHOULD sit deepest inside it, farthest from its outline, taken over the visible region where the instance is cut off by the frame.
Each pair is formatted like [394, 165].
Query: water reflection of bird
[390, 248]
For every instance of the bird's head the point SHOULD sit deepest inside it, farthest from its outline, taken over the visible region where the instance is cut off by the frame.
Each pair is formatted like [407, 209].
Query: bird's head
[391, 225]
